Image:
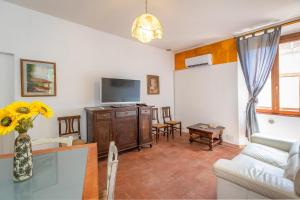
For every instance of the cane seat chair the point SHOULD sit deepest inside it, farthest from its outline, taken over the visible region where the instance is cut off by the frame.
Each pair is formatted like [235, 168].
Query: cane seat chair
[157, 127]
[167, 118]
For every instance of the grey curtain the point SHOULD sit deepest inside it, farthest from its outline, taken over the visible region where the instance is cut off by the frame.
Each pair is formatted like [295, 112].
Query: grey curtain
[257, 55]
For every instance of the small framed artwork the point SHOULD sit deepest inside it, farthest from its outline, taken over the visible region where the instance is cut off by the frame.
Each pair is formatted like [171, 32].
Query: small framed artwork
[38, 78]
[152, 84]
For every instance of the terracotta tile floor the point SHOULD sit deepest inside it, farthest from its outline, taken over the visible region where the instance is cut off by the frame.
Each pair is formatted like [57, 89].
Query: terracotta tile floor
[168, 170]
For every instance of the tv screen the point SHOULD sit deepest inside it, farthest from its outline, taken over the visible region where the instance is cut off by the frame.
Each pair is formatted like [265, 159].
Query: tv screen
[120, 90]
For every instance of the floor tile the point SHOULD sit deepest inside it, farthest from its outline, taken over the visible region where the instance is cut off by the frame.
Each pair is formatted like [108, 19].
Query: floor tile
[168, 170]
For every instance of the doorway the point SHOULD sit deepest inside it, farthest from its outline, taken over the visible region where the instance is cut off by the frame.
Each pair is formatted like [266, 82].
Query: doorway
[7, 90]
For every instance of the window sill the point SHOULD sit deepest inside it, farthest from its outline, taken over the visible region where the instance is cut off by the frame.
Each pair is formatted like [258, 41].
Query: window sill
[285, 113]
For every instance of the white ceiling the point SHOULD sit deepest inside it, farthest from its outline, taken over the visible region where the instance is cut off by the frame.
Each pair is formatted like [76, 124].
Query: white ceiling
[186, 23]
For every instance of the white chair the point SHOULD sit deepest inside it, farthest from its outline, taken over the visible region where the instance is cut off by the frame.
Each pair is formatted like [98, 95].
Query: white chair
[112, 165]
[61, 140]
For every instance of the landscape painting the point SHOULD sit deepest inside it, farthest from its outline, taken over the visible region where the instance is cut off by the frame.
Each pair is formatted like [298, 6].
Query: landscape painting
[38, 78]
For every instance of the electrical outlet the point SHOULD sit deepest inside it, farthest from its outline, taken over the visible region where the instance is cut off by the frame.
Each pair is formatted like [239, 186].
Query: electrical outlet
[271, 121]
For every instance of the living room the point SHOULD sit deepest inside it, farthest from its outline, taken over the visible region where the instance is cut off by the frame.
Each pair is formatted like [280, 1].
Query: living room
[194, 67]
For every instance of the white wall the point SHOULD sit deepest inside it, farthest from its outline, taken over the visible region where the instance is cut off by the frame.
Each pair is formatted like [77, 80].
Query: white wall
[280, 126]
[242, 105]
[7, 95]
[82, 55]
[209, 94]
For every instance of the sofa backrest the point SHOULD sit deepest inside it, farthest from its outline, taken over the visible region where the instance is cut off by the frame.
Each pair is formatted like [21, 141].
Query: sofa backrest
[292, 170]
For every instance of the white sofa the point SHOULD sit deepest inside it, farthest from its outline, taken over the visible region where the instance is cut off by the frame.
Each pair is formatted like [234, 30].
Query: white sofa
[266, 168]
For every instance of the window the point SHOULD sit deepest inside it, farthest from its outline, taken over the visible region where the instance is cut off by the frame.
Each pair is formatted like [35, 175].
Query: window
[281, 93]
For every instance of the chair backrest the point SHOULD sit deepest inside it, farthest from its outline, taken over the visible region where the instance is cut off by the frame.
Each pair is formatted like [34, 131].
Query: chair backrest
[166, 113]
[155, 118]
[69, 123]
[62, 140]
[112, 165]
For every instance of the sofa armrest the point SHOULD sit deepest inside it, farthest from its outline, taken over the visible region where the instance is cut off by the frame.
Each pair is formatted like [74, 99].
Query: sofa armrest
[281, 144]
[255, 180]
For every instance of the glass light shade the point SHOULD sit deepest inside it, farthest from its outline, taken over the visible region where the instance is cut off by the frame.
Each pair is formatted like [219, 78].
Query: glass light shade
[146, 27]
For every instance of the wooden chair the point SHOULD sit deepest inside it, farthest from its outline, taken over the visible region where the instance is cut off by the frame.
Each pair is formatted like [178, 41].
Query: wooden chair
[61, 140]
[157, 127]
[70, 129]
[112, 165]
[167, 117]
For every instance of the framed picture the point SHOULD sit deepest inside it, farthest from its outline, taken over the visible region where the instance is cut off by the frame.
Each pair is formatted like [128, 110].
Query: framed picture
[152, 84]
[38, 78]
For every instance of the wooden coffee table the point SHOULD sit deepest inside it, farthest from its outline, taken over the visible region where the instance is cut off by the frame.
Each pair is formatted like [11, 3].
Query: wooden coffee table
[205, 134]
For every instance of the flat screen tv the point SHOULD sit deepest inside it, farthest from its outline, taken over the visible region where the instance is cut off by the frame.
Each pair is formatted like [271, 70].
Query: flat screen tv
[118, 91]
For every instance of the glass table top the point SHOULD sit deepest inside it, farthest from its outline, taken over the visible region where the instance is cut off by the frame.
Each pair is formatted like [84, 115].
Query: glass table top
[58, 175]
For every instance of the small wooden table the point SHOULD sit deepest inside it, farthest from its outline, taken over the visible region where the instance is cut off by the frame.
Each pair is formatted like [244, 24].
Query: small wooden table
[205, 134]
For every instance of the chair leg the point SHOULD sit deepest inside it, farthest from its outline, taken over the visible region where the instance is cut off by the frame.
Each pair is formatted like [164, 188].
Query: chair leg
[172, 130]
[168, 132]
[156, 135]
[180, 128]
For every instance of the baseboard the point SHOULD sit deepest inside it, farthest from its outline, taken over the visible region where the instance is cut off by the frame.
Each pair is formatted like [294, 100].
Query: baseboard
[235, 146]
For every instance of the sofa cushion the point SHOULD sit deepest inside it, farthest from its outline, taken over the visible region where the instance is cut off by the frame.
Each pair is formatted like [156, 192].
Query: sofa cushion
[270, 155]
[292, 167]
[253, 179]
[250, 162]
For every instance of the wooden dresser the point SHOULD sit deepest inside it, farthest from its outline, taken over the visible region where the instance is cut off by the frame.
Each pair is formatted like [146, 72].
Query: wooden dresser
[129, 127]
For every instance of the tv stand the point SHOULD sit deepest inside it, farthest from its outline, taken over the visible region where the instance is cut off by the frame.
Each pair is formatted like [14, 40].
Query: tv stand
[130, 127]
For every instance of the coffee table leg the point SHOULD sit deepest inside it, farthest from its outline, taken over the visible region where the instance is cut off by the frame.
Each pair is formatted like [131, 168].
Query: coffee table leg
[191, 139]
[211, 142]
[221, 138]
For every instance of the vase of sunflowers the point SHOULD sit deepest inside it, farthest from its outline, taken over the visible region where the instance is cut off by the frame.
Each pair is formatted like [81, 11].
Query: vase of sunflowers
[19, 116]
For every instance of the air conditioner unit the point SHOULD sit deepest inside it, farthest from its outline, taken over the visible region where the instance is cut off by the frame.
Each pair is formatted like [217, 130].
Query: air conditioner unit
[198, 61]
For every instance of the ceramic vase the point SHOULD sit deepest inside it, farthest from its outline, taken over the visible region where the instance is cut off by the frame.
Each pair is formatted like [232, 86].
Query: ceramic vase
[22, 158]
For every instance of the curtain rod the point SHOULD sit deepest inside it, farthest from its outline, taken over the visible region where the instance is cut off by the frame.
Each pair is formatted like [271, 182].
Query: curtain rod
[258, 30]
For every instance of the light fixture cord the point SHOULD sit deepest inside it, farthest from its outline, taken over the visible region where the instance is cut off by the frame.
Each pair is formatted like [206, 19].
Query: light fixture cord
[146, 7]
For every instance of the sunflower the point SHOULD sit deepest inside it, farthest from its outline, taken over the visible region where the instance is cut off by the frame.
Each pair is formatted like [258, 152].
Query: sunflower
[21, 109]
[8, 122]
[42, 108]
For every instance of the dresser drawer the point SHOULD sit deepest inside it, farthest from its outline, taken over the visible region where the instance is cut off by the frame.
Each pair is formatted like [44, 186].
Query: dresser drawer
[100, 116]
[130, 113]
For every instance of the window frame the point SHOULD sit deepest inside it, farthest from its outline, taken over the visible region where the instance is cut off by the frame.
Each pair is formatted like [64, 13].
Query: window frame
[275, 109]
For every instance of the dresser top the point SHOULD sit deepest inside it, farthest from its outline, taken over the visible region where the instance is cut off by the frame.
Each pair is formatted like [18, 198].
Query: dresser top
[98, 108]
[106, 108]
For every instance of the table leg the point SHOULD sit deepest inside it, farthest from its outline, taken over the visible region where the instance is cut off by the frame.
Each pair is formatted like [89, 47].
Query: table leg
[211, 142]
[191, 139]
[221, 139]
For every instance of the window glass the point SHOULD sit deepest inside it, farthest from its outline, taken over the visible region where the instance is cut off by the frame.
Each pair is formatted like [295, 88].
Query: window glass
[265, 96]
[289, 75]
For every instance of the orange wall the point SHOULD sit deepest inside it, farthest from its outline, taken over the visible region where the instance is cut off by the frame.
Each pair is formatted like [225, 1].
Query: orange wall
[222, 52]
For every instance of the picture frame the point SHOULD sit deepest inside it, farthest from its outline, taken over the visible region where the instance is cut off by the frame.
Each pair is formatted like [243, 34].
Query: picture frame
[38, 78]
[153, 87]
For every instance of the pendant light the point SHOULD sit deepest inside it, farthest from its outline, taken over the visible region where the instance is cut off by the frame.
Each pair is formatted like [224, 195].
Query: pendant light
[146, 27]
